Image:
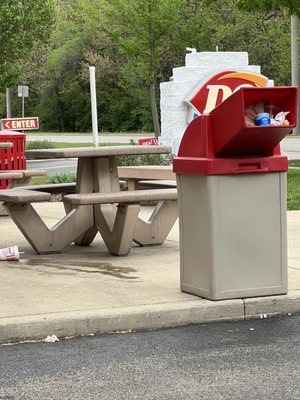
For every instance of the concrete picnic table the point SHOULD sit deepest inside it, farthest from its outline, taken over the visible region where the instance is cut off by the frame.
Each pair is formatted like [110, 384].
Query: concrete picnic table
[97, 173]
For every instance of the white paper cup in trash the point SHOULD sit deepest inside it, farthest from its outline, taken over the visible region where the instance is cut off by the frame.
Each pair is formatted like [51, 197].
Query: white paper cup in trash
[9, 253]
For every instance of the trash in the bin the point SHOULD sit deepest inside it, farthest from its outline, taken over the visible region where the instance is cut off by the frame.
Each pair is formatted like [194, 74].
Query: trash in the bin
[272, 110]
[265, 114]
[10, 253]
[280, 119]
[262, 119]
[252, 111]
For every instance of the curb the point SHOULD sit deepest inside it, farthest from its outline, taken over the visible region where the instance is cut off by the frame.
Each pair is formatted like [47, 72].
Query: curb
[144, 317]
[272, 305]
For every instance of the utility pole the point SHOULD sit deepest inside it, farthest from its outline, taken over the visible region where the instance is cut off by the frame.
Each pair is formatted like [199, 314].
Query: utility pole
[8, 103]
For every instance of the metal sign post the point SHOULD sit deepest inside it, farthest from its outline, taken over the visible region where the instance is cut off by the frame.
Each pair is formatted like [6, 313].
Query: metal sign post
[23, 92]
[94, 106]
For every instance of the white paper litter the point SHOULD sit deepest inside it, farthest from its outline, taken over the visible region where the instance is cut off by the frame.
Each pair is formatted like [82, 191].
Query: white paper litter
[51, 339]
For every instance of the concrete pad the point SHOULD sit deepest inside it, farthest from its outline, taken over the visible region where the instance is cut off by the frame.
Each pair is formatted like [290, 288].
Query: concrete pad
[83, 278]
[85, 290]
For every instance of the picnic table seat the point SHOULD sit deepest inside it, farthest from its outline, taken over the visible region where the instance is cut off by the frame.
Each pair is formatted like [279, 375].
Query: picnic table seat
[21, 176]
[135, 175]
[118, 235]
[17, 178]
[127, 226]
[131, 196]
[11, 175]
[21, 196]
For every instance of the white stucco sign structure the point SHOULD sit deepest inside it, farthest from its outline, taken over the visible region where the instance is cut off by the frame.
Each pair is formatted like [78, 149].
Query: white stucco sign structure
[205, 81]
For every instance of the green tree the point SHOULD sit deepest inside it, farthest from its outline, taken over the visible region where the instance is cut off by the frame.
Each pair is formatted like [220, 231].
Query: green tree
[82, 39]
[146, 31]
[25, 24]
[293, 6]
[134, 45]
[58, 74]
[265, 36]
[77, 43]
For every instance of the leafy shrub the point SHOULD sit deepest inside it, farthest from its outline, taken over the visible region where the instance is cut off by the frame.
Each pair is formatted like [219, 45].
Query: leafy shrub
[147, 159]
[41, 180]
[39, 144]
[65, 177]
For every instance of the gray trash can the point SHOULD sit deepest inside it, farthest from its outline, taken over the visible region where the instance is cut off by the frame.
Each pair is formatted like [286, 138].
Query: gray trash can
[231, 181]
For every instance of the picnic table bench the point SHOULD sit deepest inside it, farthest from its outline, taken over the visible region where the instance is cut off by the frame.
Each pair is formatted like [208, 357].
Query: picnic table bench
[17, 178]
[127, 227]
[117, 236]
[21, 177]
[11, 175]
[137, 175]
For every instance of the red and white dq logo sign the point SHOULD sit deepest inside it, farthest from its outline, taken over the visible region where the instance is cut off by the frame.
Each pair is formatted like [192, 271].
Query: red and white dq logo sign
[221, 86]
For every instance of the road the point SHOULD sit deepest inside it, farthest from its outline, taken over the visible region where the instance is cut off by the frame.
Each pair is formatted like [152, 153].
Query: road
[258, 359]
[291, 147]
[53, 167]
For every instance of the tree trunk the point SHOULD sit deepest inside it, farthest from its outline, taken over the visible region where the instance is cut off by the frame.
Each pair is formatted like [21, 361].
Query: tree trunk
[8, 103]
[155, 118]
[154, 111]
[60, 111]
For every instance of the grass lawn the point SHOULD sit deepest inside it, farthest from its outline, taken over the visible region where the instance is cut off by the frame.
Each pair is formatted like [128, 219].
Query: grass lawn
[294, 163]
[293, 189]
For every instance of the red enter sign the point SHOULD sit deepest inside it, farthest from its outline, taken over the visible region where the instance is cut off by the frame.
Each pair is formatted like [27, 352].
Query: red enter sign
[20, 124]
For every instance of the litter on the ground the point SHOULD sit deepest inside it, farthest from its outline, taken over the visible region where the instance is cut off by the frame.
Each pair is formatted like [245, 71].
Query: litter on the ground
[10, 253]
[51, 339]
